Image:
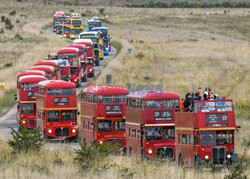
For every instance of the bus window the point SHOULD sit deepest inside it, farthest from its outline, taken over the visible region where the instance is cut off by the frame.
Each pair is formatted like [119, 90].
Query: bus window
[154, 133]
[27, 108]
[154, 104]
[207, 106]
[119, 125]
[105, 126]
[28, 86]
[74, 70]
[53, 116]
[68, 115]
[224, 138]
[68, 92]
[168, 133]
[95, 98]
[48, 75]
[54, 92]
[120, 98]
[224, 106]
[143, 104]
[207, 138]
[104, 99]
[170, 104]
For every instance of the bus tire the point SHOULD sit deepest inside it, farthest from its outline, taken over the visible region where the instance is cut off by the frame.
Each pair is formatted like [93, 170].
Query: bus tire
[180, 160]
[97, 63]
[92, 75]
[143, 155]
[130, 151]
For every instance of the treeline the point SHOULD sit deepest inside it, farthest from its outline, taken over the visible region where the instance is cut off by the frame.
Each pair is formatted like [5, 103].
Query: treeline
[191, 5]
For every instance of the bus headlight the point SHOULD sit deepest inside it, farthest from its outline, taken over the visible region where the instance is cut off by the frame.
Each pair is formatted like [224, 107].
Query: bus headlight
[75, 80]
[24, 121]
[101, 142]
[50, 131]
[228, 156]
[206, 157]
[73, 131]
[150, 151]
[90, 70]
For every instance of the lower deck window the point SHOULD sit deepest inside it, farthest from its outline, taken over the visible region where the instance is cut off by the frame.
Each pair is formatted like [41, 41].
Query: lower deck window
[28, 108]
[154, 133]
[119, 125]
[105, 126]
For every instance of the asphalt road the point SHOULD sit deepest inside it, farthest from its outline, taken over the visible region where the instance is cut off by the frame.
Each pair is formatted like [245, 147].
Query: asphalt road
[9, 120]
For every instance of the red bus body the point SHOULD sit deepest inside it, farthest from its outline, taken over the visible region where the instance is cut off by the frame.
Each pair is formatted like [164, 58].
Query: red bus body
[26, 100]
[53, 64]
[75, 66]
[64, 69]
[207, 134]
[49, 70]
[57, 109]
[57, 14]
[150, 123]
[103, 115]
[83, 59]
[90, 52]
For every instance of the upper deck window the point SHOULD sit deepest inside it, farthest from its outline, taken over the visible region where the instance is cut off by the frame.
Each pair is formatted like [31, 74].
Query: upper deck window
[105, 99]
[120, 98]
[224, 106]
[68, 92]
[207, 106]
[54, 92]
[154, 104]
[28, 86]
[171, 104]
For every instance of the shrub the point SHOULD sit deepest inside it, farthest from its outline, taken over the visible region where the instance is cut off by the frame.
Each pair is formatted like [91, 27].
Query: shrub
[12, 13]
[140, 55]
[26, 140]
[18, 36]
[8, 24]
[94, 156]
[101, 10]
[7, 65]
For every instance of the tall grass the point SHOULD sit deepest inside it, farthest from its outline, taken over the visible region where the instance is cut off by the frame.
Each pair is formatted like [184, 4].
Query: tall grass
[7, 101]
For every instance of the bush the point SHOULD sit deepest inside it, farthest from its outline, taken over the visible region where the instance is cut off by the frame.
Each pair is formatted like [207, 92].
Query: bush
[94, 156]
[26, 140]
[101, 10]
[8, 24]
[12, 13]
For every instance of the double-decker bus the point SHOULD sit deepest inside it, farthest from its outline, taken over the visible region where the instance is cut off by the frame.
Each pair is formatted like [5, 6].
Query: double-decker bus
[64, 68]
[49, 70]
[58, 18]
[66, 31]
[51, 63]
[150, 123]
[90, 62]
[56, 109]
[31, 72]
[207, 134]
[83, 59]
[76, 26]
[105, 37]
[94, 23]
[75, 65]
[26, 100]
[103, 115]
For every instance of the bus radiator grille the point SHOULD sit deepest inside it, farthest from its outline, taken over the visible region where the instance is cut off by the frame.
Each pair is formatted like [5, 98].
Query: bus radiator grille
[62, 132]
[218, 155]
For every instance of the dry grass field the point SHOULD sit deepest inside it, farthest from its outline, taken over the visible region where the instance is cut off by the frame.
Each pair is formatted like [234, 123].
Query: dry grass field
[179, 49]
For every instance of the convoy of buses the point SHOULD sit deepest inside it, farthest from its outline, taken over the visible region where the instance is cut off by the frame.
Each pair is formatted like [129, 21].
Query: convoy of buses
[148, 123]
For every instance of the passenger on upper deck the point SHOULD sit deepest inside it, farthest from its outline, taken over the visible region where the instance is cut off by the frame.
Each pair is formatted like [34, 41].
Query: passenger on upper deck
[187, 102]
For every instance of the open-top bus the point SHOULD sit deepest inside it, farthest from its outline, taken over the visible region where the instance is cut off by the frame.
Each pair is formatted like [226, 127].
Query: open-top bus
[83, 59]
[26, 100]
[150, 123]
[57, 109]
[103, 115]
[75, 65]
[90, 58]
[49, 70]
[207, 134]
[51, 63]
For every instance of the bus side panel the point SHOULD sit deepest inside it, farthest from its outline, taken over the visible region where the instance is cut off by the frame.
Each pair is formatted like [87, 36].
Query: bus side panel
[186, 119]
[88, 109]
[133, 144]
[134, 115]
[86, 133]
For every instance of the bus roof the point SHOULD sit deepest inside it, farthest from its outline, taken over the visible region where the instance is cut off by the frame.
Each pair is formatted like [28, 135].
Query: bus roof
[31, 79]
[56, 84]
[79, 46]
[94, 20]
[89, 33]
[45, 68]
[47, 62]
[101, 28]
[59, 12]
[83, 41]
[68, 50]
[105, 90]
[31, 72]
[153, 95]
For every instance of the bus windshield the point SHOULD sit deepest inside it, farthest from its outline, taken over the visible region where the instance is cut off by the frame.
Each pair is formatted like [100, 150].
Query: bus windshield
[171, 104]
[89, 62]
[70, 55]
[94, 24]
[68, 92]
[53, 116]
[105, 126]
[120, 98]
[154, 104]
[68, 115]
[66, 30]
[76, 31]
[27, 108]
[74, 70]
[208, 138]
[60, 19]
[154, 133]
[119, 125]
[225, 137]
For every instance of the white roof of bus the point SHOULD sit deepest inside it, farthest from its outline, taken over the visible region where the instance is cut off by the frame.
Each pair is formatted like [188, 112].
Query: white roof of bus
[89, 33]
[82, 40]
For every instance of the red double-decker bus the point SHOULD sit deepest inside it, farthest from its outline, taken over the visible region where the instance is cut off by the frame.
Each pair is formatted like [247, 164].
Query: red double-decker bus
[51, 63]
[49, 70]
[207, 134]
[26, 100]
[75, 65]
[83, 58]
[57, 109]
[90, 55]
[150, 124]
[31, 72]
[64, 68]
[103, 115]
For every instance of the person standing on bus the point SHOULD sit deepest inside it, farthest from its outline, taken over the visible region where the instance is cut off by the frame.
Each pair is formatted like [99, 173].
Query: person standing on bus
[187, 102]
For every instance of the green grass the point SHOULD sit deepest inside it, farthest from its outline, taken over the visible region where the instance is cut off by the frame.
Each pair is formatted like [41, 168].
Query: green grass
[117, 45]
[7, 101]
[47, 26]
